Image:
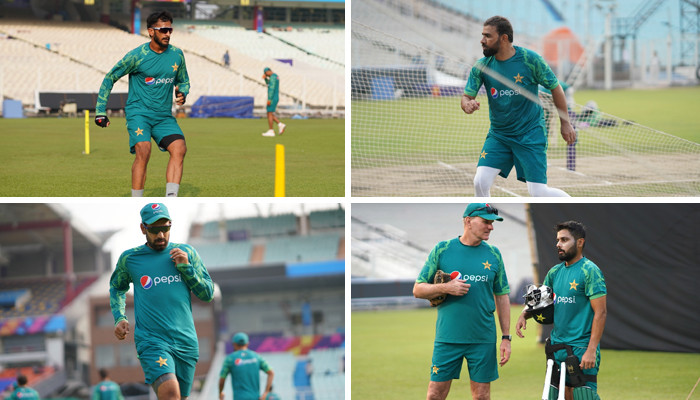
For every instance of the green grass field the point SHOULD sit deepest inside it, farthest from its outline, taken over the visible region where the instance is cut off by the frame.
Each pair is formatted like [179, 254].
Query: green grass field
[225, 157]
[391, 353]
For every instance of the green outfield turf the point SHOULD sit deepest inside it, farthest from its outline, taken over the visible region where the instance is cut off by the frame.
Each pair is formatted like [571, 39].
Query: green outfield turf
[391, 353]
[225, 157]
[671, 110]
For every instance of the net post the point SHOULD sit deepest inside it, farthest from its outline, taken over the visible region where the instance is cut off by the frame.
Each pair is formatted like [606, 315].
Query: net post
[279, 171]
[87, 132]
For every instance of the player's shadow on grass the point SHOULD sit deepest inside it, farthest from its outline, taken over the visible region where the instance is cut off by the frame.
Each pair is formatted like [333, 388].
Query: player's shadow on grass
[186, 190]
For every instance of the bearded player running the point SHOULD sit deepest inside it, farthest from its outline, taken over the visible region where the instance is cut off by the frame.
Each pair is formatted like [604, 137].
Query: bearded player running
[154, 68]
[517, 136]
[164, 274]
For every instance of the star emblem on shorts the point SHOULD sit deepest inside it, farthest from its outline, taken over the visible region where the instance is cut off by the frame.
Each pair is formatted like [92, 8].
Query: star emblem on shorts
[139, 131]
[162, 361]
[518, 78]
[486, 265]
[540, 317]
[435, 369]
[174, 67]
[574, 285]
[483, 154]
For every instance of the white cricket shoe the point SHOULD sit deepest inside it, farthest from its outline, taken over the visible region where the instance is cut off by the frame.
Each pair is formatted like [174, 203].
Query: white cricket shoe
[269, 133]
[281, 126]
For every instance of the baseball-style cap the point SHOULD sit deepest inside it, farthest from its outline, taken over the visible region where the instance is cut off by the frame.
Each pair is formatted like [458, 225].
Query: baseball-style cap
[483, 210]
[152, 212]
[240, 339]
[266, 69]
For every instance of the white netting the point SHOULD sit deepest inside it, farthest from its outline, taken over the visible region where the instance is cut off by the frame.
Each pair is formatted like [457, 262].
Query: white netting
[411, 138]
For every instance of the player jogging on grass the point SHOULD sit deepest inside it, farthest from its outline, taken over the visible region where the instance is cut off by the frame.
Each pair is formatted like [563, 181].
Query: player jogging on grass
[154, 69]
[579, 314]
[465, 325]
[245, 365]
[517, 136]
[107, 389]
[163, 274]
[273, 97]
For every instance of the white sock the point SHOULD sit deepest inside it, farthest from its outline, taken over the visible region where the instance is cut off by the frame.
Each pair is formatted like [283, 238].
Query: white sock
[171, 189]
[136, 193]
[542, 190]
[483, 179]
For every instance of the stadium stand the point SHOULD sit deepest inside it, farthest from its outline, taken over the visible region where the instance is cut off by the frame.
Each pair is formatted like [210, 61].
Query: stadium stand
[47, 296]
[302, 248]
[221, 255]
[73, 64]
[327, 219]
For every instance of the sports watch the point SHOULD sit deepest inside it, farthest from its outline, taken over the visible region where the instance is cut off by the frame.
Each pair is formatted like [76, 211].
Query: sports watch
[509, 337]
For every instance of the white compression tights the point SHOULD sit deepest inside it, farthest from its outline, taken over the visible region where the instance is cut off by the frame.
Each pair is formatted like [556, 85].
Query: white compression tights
[486, 175]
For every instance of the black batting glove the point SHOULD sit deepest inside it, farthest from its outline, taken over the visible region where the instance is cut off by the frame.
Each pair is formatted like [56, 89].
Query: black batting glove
[102, 120]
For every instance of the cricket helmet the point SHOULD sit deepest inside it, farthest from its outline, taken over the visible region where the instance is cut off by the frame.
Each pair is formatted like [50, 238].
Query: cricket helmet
[539, 302]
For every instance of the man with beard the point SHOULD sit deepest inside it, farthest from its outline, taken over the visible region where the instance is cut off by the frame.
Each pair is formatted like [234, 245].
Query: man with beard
[154, 69]
[164, 274]
[517, 137]
[580, 308]
[465, 325]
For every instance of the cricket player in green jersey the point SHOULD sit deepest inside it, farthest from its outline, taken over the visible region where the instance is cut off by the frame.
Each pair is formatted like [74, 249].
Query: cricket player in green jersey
[154, 69]
[465, 325]
[163, 274]
[23, 392]
[517, 137]
[580, 309]
[245, 365]
[107, 389]
[273, 97]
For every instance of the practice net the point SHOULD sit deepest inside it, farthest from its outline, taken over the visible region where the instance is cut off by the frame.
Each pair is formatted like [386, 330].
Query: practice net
[411, 138]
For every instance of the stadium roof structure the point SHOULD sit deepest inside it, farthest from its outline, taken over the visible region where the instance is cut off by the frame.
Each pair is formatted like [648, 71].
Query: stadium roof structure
[24, 227]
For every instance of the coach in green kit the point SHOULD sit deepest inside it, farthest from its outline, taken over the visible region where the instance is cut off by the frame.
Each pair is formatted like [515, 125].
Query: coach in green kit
[107, 389]
[580, 310]
[154, 69]
[517, 136]
[163, 274]
[273, 97]
[245, 365]
[465, 325]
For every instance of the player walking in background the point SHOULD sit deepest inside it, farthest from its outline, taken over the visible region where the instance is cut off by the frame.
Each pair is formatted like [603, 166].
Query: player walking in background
[244, 366]
[154, 69]
[273, 97]
[579, 312]
[465, 325]
[106, 389]
[164, 274]
[23, 392]
[517, 136]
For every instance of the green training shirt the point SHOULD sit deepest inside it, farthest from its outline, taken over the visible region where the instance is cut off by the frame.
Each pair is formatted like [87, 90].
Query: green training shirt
[152, 77]
[468, 318]
[574, 286]
[511, 113]
[244, 367]
[162, 306]
[107, 390]
[24, 393]
[273, 87]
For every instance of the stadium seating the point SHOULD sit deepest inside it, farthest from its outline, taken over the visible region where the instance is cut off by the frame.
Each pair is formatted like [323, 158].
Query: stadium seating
[225, 255]
[79, 58]
[327, 219]
[302, 248]
[48, 295]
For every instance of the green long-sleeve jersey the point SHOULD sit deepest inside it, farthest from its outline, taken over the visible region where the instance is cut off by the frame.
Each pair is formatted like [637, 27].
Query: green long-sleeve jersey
[244, 366]
[152, 77]
[162, 306]
[106, 390]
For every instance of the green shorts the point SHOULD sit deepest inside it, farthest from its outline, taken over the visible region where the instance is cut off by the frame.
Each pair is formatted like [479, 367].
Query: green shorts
[560, 357]
[158, 360]
[162, 128]
[481, 361]
[273, 106]
[530, 160]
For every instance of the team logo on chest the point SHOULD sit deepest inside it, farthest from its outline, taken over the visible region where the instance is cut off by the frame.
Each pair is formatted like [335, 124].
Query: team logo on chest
[486, 265]
[146, 282]
[518, 78]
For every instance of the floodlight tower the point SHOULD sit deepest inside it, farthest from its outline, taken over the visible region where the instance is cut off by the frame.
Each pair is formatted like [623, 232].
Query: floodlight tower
[690, 32]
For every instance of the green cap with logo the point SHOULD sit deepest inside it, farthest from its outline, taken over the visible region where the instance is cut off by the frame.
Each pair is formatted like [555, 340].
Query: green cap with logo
[240, 339]
[483, 210]
[152, 212]
[266, 69]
